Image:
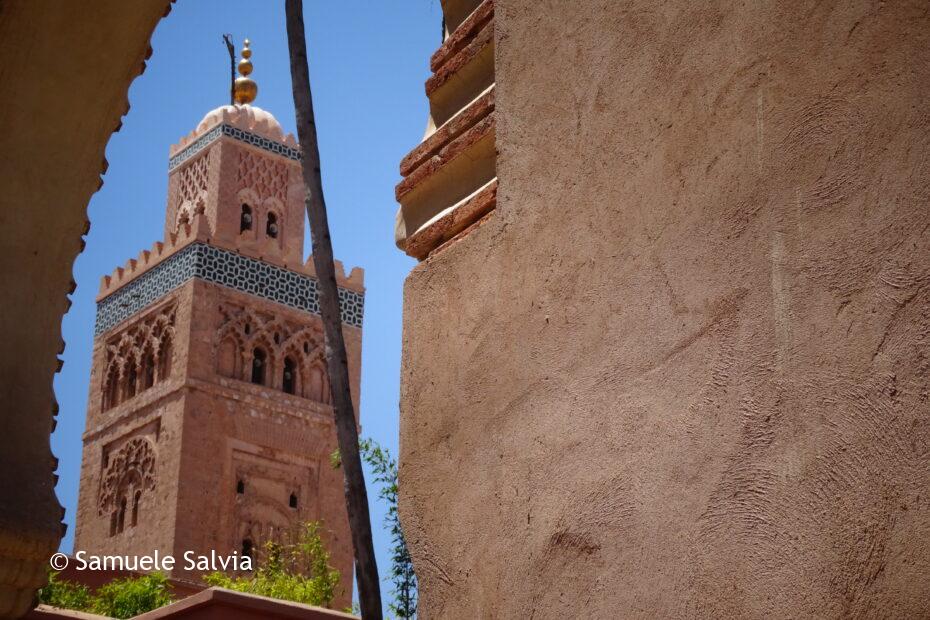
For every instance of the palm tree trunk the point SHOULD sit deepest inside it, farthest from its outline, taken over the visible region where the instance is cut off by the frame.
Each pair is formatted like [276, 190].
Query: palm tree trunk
[366, 569]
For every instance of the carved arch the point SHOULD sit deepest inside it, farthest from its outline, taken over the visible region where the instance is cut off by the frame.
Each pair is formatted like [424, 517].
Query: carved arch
[131, 468]
[229, 355]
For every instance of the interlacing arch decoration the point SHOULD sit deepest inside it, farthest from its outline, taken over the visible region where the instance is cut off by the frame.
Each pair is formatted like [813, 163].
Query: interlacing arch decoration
[138, 357]
[261, 348]
[265, 175]
[129, 474]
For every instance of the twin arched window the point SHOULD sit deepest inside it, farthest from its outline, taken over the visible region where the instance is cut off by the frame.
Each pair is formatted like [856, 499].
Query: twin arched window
[260, 366]
[118, 517]
[246, 219]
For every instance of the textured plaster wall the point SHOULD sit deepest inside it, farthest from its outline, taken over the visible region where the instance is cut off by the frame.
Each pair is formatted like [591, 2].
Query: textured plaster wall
[683, 370]
[66, 72]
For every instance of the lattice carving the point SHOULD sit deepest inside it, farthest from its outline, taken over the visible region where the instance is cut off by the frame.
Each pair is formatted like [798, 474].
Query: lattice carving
[130, 469]
[193, 180]
[267, 177]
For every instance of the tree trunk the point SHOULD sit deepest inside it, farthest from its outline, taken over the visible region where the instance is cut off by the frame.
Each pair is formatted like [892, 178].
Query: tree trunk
[366, 568]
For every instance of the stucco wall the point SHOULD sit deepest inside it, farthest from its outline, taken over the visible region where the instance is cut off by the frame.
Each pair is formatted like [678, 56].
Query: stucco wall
[67, 67]
[683, 370]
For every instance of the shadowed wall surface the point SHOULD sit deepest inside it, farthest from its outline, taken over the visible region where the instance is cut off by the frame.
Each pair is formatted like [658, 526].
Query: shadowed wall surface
[66, 73]
[682, 371]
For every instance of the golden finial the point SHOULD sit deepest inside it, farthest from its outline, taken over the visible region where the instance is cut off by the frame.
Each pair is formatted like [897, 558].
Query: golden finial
[245, 89]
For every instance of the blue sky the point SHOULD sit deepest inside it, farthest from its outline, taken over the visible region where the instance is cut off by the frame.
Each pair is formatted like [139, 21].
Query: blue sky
[368, 63]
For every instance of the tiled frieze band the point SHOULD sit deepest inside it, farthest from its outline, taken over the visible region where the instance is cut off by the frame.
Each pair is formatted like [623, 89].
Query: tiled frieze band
[229, 269]
[237, 134]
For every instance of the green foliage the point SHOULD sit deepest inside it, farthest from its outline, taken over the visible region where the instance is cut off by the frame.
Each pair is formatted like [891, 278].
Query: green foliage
[122, 598]
[402, 575]
[64, 594]
[297, 571]
[125, 598]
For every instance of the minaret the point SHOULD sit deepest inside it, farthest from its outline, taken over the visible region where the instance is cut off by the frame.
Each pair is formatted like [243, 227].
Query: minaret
[209, 426]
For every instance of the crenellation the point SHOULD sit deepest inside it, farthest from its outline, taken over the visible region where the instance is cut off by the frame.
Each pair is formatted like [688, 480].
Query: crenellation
[340, 270]
[198, 230]
[356, 279]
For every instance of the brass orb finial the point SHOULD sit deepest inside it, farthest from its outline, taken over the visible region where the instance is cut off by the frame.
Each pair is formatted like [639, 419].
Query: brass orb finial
[245, 89]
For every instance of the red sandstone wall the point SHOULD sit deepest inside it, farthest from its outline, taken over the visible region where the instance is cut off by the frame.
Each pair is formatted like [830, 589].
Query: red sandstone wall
[219, 182]
[155, 414]
[205, 429]
[277, 438]
[683, 372]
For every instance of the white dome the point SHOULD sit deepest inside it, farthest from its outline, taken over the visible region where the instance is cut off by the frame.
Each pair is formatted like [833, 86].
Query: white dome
[249, 117]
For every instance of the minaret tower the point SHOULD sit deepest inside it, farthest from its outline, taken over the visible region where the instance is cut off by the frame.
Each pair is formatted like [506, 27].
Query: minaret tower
[209, 426]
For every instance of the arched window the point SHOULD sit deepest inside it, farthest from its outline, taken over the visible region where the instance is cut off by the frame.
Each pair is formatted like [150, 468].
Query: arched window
[136, 498]
[246, 547]
[121, 515]
[131, 380]
[111, 391]
[148, 371]
[293, 501]
[164, 358]
[240, 487]
[271, 229]
[245, 220]
[259, 362]
[290, 376]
